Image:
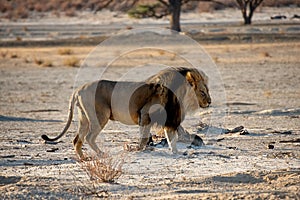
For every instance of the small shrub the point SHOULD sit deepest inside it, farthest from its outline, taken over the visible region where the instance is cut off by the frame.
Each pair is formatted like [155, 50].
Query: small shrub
[47, 63]
[71, 62]
[39, 7]
[14, 55]
[25, 29]
[38, 61]
[103, 169]
[82, 37]
[4, 54]
[265, 54]
[18, 38]
[144, 10]
[21, 12]
[5, 6]
[41, 62]
[65, 51]
[216, 59]
[268, 93]
[71, 12]
[26, 60]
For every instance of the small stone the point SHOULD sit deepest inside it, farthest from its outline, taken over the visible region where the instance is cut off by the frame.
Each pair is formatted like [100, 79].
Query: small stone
[8, 156]
[286, 133]
[244, 132]
[52, 150]
[237, 129]
[197, 141]
[28, 164]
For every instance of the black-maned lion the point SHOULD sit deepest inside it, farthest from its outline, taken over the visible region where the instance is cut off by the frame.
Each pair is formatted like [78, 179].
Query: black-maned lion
[163, 99]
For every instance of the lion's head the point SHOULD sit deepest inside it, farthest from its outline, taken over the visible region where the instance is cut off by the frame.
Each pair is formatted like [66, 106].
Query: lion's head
[188, 84]
[198, 81]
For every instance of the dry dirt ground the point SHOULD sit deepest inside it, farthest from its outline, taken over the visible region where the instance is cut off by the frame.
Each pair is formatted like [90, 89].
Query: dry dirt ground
[262, 94]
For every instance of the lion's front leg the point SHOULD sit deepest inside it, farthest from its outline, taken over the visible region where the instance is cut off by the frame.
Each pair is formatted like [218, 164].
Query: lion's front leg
[144, 137]
[145, 125]
[172, 138]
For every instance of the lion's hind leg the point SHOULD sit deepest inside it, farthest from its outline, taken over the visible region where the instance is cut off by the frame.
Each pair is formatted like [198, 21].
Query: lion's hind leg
[97, 119]
[82, 132]
[93, 119]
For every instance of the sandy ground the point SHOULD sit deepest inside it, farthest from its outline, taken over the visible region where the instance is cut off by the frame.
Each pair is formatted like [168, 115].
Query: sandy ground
[262, 94]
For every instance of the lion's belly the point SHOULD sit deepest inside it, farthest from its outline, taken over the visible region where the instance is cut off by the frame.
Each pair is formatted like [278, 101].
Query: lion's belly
[121, 103]
[122, 114]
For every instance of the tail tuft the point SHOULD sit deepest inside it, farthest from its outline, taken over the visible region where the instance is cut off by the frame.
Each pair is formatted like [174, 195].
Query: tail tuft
[46, 138]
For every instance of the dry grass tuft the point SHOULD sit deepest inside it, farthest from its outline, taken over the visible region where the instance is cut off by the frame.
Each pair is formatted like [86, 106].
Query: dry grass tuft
[103, 169]
[13, 55]
[265, 55]
[38, 61]
[70, 12]
[268, 93]
[47, 63]
[65, 51]
[216, 59]
[18, 38]
[72, 62]
[4, 54]
[43, 63]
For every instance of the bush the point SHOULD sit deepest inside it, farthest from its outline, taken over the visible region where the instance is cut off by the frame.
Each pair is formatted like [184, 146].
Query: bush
[103, 169]
[72, 62]
[65, 51]
[43, 63]
[143, 11]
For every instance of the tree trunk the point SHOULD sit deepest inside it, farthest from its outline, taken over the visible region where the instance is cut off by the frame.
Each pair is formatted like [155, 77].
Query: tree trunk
[175, 8]
[247, 20]
[248, 7]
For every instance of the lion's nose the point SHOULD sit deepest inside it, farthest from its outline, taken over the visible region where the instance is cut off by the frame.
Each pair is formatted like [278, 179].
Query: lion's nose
[209, 101]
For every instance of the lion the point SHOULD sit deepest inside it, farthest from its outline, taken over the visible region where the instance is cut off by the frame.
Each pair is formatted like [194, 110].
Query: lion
[162, 99]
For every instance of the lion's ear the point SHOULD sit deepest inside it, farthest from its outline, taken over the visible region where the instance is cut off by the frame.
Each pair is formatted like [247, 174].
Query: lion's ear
[189, 77]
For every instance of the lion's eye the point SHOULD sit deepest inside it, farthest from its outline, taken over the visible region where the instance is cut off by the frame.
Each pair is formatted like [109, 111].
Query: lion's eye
[203, 94]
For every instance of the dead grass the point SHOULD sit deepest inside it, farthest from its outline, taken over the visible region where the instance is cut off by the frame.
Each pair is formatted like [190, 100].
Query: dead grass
[18, 38]
[268, 93]
[65, 51]
[72, 62]
[71, 12]
[38, 61]
[103, 169]
[47, 63]
[265, 54]
[42, 62]
[13, 55]
[4, 53]
[216, 59]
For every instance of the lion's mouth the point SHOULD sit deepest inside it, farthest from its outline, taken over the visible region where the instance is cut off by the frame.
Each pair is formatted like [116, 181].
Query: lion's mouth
[206, 105]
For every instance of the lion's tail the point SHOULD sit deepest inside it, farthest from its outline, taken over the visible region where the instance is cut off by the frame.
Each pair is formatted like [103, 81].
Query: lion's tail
[70, 116]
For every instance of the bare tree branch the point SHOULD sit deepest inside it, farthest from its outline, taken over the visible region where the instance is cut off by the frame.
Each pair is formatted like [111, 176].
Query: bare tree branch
[101, 6]
[164, 3]
[213, 1]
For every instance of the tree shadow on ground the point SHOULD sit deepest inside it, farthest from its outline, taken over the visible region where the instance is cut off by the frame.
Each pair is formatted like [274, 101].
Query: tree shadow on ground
[238, 178]
[24, 119]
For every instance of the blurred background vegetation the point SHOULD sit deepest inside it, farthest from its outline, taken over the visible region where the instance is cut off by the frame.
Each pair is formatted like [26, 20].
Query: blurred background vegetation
[18, 9]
